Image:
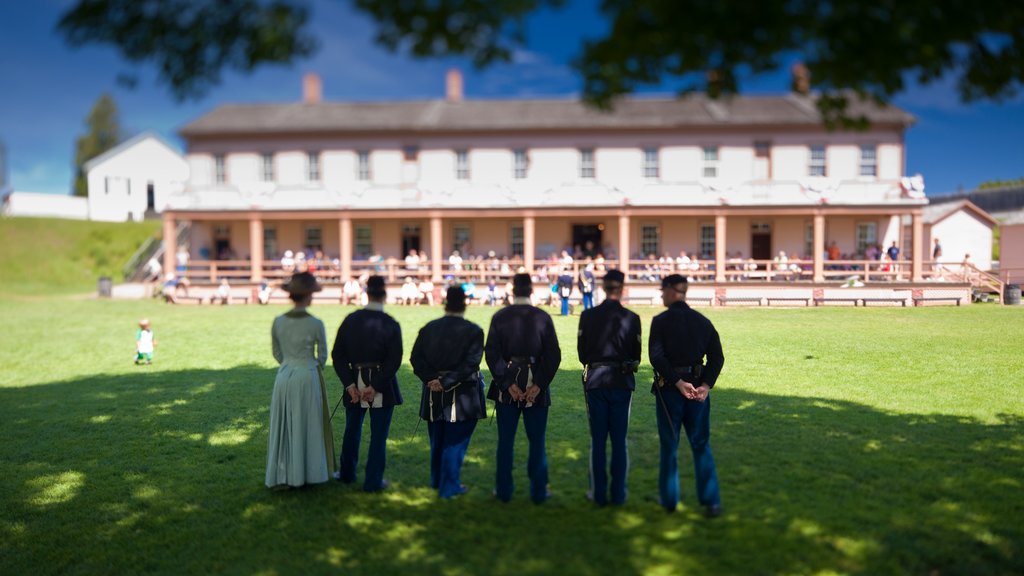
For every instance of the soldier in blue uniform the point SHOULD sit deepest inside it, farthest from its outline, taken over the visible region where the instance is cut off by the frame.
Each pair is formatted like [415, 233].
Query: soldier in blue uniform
[586, 284]
[565, 290]
[446, 357]
[523, 355]
[680, 341]
[367, 353]
[608, 345]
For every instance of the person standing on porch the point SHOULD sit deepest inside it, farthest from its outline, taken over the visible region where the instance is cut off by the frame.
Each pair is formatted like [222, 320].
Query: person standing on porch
[680, 341]
[446, 358]
[608, 345]
[367, 353]
[300, 446]
[523, 356]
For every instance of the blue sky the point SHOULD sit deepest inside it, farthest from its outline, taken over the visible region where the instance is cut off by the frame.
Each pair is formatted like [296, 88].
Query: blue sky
[47, 89]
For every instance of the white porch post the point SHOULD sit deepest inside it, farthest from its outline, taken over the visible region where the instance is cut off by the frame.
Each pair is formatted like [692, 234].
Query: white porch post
[435, 248]
[624, 244]
[917, 251]
[255, 248]
[170, 242]
[819, 247]
[719, 247]
[529, 242]
[345, 246]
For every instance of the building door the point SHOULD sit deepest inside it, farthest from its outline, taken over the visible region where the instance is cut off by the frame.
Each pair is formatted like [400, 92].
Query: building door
[410, 238]
[588, 238]
[150, 197]
[761, 241]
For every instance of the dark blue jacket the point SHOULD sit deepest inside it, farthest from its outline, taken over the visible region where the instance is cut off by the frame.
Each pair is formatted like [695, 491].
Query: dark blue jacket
[609, 333]
[450, 348]
[682, 337]
[521, 331]
[369, 337]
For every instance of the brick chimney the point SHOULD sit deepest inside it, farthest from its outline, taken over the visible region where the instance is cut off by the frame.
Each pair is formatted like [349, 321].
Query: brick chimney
[801, 81]
[453, 86]
[311, 88]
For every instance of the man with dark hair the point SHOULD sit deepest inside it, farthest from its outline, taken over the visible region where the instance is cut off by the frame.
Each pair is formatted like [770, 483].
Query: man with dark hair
[446, 357]
[367, 353]
[681, 338]
[523, 355]
[608, 344]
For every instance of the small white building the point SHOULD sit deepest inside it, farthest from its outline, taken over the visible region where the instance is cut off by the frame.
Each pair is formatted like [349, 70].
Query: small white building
[962, 229]
[133, 178]
[41, 205]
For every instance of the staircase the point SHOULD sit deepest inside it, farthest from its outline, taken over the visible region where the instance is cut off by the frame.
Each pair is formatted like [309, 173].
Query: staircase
[983, 282]
[135, 269]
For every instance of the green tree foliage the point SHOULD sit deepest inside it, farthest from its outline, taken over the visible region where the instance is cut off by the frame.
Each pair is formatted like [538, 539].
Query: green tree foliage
[103, 132]
[870, 48]
[990, 184]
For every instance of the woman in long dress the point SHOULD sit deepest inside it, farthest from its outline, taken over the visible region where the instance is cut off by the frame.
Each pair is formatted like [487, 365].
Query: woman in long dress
[300, 449]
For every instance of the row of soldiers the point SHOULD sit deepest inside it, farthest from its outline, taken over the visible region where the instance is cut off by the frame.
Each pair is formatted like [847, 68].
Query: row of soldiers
[523, 355]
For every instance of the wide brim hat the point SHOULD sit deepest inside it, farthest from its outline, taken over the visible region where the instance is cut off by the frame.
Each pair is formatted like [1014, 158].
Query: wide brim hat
[302, 283]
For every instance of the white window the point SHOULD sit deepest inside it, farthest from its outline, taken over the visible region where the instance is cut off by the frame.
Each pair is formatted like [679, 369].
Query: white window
[817, 164]
[270, 242]
[461, 238]
[868, 160]
[650, 239]
[711, 161]
[516, 243]
[364, 241]
[220, 175]
[707, 241]
[586, 162]
[267, 168]
[313, 166]
[521, 163]
[462, 164]
[867, 235]
[651, 163]
[314, 237]
[364, 166]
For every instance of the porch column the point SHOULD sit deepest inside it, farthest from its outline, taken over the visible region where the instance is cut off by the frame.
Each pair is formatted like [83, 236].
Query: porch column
[529, 242]
[170, 242]
[624, 244]
[255, 248]
[819, 247]
[720, 248]
[345, 247]
[435, 248]
[916, 250]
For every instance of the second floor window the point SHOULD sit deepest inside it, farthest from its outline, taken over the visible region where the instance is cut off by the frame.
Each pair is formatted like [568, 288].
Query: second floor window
[220, 173]
[868, 160]
[363, 170]
[817, 164]
[520, 163]
[651, 163]
[267, 168]
[586, 162]
[462, 164]
[711, 161]
[313, 166]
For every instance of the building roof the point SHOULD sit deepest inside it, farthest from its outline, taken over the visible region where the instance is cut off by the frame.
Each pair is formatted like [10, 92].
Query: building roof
[125, 146]
[695, 110]
[1013, 219]
[935, 213]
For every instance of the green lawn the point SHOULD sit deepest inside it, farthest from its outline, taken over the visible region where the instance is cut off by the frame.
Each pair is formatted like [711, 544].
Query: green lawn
[877, 441]
[46, 256]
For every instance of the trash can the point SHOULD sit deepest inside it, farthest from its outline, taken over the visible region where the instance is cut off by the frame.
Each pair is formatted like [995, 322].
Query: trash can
[1012, 295]
[105, 285]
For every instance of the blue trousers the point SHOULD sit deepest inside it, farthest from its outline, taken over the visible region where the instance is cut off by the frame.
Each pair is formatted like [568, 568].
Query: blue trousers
[448, 444]
[535, 421]
[674, 410]
[565, 306]
[588, 300]
[608, 411]
[380, 424]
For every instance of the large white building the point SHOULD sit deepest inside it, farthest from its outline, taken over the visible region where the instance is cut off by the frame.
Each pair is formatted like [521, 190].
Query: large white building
[134, 178]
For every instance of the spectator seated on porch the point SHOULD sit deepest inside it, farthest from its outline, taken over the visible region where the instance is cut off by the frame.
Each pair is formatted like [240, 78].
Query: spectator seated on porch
[652, 270]
[599, 263]
[410, 293]
[223, 293]
[412, 261]
[455, 261]
[426, 290]
[288, 262]
[695, 268]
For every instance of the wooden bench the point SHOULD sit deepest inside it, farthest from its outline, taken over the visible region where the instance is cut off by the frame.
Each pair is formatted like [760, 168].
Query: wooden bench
[196, 299]
[726, 299]
[805, 299]
[919, 299]
[902, 301]
[820, 301]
